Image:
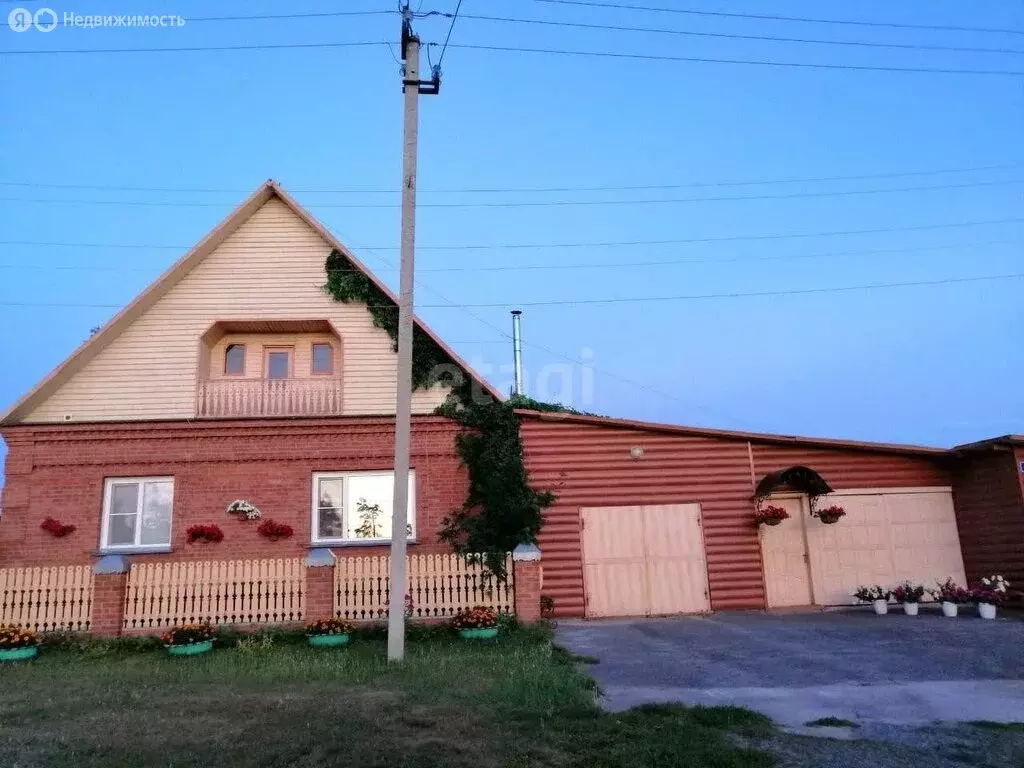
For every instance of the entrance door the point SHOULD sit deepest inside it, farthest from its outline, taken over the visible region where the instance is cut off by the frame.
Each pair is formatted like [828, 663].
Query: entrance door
[644, 560]
[787, 578]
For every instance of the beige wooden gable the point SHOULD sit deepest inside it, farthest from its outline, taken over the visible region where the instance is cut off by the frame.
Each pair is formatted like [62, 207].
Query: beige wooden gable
[271, 266]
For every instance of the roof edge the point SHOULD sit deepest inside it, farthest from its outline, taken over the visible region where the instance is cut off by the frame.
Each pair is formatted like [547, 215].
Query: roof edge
[764, 437]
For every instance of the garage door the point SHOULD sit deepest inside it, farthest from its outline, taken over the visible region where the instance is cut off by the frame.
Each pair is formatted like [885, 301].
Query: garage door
[644, 560]
[886, 537]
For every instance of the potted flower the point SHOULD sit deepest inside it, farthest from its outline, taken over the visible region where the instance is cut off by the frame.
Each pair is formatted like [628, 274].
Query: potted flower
[877, 596]
[830, 515]
[17, 643]
[910, 595]
[274, 530]
[477, 624]
[951, 595]
[770, 515]
[204, 534]
[332, 631]
[188, 640]
[990, 594]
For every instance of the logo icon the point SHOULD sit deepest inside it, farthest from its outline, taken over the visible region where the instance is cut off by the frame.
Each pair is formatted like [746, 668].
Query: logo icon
[46, 20]
[20, 19]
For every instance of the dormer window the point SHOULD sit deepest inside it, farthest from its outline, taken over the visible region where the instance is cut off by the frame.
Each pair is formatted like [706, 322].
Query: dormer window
[323, 359]
[234, 360]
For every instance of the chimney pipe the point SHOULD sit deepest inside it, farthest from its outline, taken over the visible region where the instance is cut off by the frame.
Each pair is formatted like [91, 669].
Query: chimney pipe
[517, 350]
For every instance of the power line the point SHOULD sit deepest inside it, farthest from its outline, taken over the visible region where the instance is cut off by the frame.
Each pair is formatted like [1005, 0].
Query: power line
[733, 36]
[769, 17]
[544, 203]
[621, 300]
[449, 35]
[587, 265]
[757, 62]
[583, 244]
[517, 190]
[278, 16]
[264, 47]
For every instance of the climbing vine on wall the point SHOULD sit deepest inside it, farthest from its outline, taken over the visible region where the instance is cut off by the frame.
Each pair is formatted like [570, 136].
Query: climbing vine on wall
[501, 510]
[349, 284]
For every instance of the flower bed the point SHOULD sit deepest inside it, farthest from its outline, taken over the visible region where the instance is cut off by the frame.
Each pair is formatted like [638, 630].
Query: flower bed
[189, 640]
[479, 623]
[329, 632]
[17, 643]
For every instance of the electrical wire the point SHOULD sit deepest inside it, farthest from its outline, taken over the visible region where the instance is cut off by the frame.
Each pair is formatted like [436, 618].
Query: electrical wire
[543, 203]
[769, 17]
[517, 190]
[622, 300]
[756, 62]
[584, 244]
[733, 36]
[449, 35]
[191, 49]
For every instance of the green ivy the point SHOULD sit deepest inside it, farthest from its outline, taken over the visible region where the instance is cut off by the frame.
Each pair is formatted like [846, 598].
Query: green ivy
[350, 285]
[501, 510]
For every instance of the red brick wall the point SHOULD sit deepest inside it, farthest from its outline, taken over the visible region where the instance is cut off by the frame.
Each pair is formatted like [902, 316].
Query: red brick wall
[59, 471]
[987, 494]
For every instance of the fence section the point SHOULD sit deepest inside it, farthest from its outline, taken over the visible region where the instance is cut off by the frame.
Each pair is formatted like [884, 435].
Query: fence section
[438, 586]
[231, 592]
[47, 599]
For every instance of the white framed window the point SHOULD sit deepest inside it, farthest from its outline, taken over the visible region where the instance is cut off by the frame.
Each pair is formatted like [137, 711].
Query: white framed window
[137, 513]
[356, 507]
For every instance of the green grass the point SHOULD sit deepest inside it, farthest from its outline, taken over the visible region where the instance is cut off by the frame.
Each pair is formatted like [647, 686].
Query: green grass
[831, 722]
[515, 701]
[991, 725]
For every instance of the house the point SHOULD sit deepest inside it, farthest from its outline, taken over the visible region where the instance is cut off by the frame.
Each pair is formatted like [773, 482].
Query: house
[235, 387]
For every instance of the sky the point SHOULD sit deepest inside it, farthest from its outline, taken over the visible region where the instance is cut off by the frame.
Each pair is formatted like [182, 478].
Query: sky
[715, 180]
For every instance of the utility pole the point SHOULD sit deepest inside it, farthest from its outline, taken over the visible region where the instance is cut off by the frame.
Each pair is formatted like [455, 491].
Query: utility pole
[412, 86]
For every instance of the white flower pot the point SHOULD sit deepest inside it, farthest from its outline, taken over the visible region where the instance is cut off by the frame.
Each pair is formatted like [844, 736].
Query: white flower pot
[949, 610]
[986, 610]
[910, 609]
[881, 607]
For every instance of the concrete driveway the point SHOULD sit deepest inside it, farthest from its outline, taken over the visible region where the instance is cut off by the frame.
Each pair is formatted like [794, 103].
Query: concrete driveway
[801, 667]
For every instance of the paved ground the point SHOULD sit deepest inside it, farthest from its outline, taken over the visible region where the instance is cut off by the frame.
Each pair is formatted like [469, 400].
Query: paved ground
[800, 667]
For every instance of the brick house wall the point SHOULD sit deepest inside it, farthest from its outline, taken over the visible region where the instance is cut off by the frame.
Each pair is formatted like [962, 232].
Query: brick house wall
[59, 471]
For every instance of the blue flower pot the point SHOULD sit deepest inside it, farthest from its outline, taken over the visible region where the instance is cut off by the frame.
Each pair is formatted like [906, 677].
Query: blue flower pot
[192, 649]
[19, 654]
[484, 633]
[328, 641]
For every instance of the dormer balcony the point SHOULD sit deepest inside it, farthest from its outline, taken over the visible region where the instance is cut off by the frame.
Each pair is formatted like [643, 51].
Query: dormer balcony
[272, 368]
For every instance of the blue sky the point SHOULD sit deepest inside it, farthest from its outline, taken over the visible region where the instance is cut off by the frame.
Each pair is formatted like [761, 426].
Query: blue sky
[935, 364]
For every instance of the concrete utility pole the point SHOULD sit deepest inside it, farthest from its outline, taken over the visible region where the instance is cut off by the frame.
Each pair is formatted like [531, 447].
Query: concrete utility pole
[413, 87]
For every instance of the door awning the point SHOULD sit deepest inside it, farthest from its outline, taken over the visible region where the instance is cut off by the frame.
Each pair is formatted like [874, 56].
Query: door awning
[801, 479]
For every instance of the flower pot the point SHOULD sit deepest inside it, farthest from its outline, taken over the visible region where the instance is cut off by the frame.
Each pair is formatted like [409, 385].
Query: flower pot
[829, 519]
[949, 610]
[478, 634]
[987, 610]
[910, 609]
[191, 649]
[881, 607]
[19, 654]
[328, 641]
[771, 521]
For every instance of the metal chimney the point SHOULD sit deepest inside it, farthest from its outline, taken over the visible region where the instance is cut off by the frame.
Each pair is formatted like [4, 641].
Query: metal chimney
[517, 351]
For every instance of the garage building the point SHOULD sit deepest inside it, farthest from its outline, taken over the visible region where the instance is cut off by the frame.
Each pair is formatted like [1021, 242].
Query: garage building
[654, 519]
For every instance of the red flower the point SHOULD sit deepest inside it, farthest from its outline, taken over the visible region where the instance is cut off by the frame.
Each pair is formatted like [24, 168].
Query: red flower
[208, 533]
[56, 528]
[771, 512]
[481, 617]
[274, 531]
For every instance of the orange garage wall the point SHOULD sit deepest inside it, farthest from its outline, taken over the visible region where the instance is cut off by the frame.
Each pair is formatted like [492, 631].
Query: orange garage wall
[589, 464]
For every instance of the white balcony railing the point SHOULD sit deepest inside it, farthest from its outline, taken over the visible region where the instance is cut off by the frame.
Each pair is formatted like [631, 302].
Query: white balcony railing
[225, 398]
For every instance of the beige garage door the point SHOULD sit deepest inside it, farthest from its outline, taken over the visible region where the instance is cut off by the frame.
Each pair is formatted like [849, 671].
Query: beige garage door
[886, 537]
[644, 560]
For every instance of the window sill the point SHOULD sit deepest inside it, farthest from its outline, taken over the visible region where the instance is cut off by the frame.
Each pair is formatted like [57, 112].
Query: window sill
[345, 543]
[156, 550]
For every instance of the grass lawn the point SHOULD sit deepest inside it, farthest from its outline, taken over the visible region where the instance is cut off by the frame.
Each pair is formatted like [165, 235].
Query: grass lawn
[514, 701]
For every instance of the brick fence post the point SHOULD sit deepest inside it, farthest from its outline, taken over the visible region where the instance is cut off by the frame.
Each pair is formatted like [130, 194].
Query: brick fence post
[110, 581]
[319, 584]
[529, 579]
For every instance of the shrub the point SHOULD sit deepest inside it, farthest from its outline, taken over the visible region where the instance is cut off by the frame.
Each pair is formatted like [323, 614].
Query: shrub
[908, 593]
[330, 626]
[188, 634]
[870, 594]
[481, 617]
[950, 592]
[12, 637]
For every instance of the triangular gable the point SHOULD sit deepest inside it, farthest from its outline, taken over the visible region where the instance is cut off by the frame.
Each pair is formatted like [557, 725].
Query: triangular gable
[99, 341]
